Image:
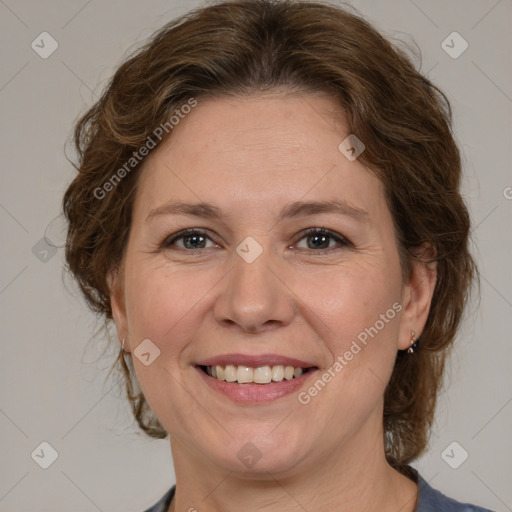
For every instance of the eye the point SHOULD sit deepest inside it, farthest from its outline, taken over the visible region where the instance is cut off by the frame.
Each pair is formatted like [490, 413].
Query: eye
[192, 239]
[321, 238]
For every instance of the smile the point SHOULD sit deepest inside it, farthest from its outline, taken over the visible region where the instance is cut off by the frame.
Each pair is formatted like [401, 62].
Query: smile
[242, 374]
[243, 385]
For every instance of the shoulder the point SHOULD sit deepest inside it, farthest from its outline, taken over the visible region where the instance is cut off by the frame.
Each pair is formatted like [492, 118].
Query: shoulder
[163, 503]
[431, 500]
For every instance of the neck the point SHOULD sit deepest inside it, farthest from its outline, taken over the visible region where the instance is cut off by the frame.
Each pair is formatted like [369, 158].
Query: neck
[356, 477]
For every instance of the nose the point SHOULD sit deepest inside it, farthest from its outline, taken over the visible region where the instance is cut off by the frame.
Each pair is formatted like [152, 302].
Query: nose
[254, 297]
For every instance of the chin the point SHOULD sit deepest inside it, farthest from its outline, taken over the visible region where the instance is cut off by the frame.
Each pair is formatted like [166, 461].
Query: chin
[261, 456]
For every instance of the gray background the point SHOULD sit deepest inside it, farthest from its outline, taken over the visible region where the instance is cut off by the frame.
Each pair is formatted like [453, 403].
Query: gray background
[52, 370]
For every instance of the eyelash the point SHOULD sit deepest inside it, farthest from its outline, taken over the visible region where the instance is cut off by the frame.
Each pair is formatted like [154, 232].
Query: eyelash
[341, 240]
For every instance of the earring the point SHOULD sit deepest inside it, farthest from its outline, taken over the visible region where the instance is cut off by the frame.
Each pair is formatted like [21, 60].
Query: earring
[122, 345]
[414, 343]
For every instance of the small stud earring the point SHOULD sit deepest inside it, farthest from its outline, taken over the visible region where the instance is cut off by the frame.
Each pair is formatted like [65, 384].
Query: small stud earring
[414, 343]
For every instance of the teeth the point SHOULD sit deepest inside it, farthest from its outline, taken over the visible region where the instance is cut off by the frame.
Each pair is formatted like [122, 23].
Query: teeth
[278, 373]
[246, 374]
[262, 375]
[288, 372]
[230, 373]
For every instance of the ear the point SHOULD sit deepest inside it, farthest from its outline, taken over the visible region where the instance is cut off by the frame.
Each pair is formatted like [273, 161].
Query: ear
[417, 296]
[117, 302]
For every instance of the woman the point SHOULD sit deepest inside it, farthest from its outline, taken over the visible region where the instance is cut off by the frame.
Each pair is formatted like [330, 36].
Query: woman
[268, 209]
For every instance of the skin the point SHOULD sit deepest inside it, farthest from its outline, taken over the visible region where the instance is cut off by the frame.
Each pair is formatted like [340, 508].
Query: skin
[250, 156]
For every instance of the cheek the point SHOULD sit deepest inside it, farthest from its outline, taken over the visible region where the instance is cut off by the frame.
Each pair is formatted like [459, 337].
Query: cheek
[358, 310]
[349, 301]
[358, 313]
[161, 303]
[162, 306]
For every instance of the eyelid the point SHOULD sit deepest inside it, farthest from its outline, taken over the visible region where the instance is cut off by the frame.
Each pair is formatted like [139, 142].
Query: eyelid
[340, 239]
[170, 239]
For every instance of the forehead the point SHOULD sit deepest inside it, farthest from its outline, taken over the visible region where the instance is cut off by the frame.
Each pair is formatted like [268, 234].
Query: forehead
[255, 152]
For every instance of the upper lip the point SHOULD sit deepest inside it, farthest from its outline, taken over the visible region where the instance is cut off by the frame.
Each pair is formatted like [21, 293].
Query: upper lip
[254, 361]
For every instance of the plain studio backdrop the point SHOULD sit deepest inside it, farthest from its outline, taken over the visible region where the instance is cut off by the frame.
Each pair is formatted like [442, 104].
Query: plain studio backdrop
[52, 370]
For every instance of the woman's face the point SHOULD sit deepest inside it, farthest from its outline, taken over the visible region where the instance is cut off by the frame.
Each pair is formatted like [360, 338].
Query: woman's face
[251, 287]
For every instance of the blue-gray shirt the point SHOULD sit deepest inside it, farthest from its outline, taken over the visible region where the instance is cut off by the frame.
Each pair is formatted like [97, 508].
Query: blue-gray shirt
[429, 500]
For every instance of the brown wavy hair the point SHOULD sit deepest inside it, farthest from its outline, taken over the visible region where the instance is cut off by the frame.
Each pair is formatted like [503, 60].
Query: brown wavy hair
[233, 48]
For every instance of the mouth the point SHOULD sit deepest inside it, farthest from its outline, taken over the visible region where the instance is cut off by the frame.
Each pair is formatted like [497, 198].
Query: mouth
[242, 374]
[251, 380]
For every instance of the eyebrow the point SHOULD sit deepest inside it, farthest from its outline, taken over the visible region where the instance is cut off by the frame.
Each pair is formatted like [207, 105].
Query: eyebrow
[295, 209]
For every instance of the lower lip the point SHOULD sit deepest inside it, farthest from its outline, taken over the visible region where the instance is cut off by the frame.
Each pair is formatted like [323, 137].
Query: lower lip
[252, 393]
